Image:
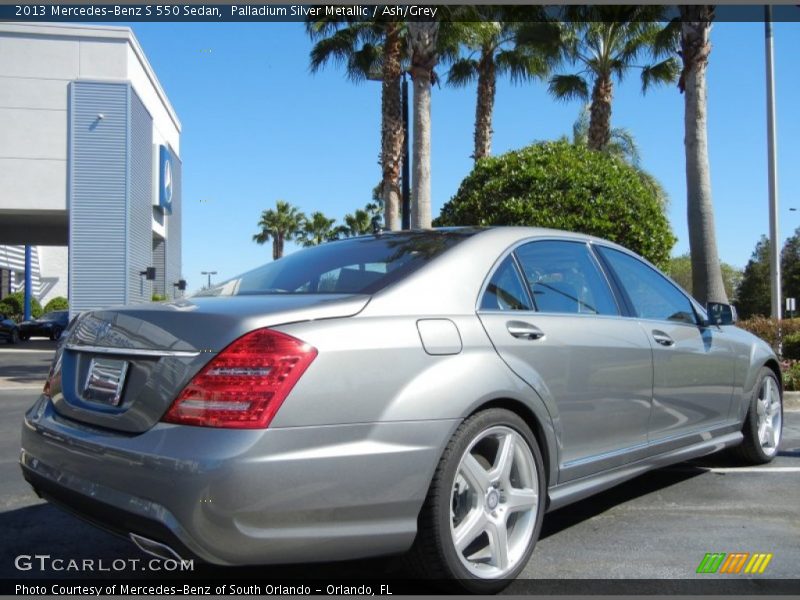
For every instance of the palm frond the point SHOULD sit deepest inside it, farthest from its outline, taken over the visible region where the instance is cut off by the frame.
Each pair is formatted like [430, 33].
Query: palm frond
[522, 64]
[568, 87]
[580, 128]
[462, 72]
[624, 145]
[665, 72]
[546, 37]
[667, 41]
[364, 63]
[335, 48]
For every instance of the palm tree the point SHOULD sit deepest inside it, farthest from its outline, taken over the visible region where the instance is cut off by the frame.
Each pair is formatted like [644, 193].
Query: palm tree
[606, 42]
[316, 230]
[622, 145]
[368, 48]
[279, 225]
[422, 39]
[494, 48]
[358, 223]
[707, 283]
[621, 142]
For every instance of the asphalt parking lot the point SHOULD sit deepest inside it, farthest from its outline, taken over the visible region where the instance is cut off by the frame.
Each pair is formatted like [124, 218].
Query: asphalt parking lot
[658, 526]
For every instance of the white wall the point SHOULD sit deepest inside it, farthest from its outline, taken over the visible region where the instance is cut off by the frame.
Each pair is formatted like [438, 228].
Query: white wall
[37, 61]
[53, 267]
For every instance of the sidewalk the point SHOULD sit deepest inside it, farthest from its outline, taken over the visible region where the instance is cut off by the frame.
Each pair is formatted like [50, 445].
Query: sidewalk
[791, 401]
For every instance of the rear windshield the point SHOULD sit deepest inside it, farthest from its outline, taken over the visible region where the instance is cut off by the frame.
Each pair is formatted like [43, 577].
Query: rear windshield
[360, 265]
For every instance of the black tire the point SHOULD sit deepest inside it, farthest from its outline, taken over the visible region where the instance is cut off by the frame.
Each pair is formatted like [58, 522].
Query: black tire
[24, 337]
[752, 451]
[433, 555]
[14, 338]
[55, 334]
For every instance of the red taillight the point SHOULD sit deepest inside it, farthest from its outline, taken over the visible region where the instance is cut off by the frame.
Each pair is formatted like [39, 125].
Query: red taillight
[245, 384]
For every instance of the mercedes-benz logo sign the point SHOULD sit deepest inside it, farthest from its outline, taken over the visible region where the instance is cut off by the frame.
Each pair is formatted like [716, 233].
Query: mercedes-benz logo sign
[167, 181]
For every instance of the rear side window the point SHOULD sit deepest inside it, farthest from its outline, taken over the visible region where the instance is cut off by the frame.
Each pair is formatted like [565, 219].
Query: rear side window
[506, 290]
[652, 294]
[360, 265]
[564, 277]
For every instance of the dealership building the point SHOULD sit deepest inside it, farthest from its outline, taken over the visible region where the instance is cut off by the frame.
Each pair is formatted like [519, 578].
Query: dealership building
[90, 169]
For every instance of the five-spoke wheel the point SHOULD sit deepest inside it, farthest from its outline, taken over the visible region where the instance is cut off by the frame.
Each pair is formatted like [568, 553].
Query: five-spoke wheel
[770, 416]
[763, 424]
[484, 509]
[495, 497]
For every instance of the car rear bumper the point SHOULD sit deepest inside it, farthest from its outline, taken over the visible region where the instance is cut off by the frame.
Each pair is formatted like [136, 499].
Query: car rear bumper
[241, 496]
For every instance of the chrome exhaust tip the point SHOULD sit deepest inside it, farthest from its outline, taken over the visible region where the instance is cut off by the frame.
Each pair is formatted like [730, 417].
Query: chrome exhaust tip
[154, 548]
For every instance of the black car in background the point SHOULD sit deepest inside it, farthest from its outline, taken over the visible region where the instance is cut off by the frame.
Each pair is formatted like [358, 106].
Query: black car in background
[49, 325]
[9, 331]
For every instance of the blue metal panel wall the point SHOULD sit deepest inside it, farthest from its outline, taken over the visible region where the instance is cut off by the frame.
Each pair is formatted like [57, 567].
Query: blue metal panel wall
[97, 194]
[140, 205]
[173, 253]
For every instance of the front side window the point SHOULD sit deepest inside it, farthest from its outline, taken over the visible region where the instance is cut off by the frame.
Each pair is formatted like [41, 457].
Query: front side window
[505, 290]
[653, 296]
[564, 277]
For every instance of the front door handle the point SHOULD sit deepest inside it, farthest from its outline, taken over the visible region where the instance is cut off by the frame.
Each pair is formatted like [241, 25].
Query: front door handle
[525, 331]
[662, 338]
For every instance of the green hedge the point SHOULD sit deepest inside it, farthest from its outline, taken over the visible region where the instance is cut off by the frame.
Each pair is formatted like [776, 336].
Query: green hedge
[563, 186]
[13, 303]
[57, 303]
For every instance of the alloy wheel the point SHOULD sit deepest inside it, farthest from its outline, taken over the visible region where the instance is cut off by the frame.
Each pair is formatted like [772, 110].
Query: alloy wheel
[494, 502]
[768, 409]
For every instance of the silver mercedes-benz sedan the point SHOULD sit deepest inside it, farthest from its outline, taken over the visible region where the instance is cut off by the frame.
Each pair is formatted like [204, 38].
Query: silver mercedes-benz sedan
[433, 393]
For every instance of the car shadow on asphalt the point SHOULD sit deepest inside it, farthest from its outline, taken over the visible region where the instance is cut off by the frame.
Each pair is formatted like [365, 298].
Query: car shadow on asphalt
[24, 374]
[654, 481]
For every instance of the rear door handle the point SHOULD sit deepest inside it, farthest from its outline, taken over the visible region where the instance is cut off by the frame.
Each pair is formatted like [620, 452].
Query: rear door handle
[525, 331]
[662, 338]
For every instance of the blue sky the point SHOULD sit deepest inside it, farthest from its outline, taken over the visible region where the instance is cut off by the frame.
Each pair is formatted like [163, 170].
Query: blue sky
[258, 127]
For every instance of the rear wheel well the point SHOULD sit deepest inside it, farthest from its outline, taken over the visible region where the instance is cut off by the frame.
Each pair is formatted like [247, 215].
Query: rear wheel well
[527, 415]
[775, 367]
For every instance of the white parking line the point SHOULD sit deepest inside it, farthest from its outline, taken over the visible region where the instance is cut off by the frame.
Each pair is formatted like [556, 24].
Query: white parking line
[25, 350]
[12, 388]
[755, 469]
[740, 469]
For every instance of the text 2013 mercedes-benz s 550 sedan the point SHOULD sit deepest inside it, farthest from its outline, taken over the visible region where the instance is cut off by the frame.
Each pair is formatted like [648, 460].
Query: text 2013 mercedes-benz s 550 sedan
[434, 392]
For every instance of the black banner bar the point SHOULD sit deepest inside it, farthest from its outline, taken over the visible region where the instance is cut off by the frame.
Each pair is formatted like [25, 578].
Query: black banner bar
[229, 12]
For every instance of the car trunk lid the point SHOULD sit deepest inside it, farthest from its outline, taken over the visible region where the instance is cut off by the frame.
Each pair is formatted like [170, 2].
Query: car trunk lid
[122, 368]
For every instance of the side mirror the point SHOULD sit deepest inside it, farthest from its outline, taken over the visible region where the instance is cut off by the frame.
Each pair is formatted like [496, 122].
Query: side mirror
[721, 314]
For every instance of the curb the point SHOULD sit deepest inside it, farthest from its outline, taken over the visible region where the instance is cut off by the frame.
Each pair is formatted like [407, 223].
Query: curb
[791, 400]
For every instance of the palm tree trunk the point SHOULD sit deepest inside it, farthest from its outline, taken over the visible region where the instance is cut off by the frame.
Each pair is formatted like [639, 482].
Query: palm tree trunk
[487, 80]
[422, 37]
[600, 113]
[707, 284]
[277, 246]
[392, 123]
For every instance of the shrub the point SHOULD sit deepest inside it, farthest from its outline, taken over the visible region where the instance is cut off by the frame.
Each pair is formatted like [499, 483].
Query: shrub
[15, 301]
[564, 186]
[14, 304]
[158, 298]
[791, 346]
[791, 375]
[767, 329]
[7, 310]
[57, 303]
